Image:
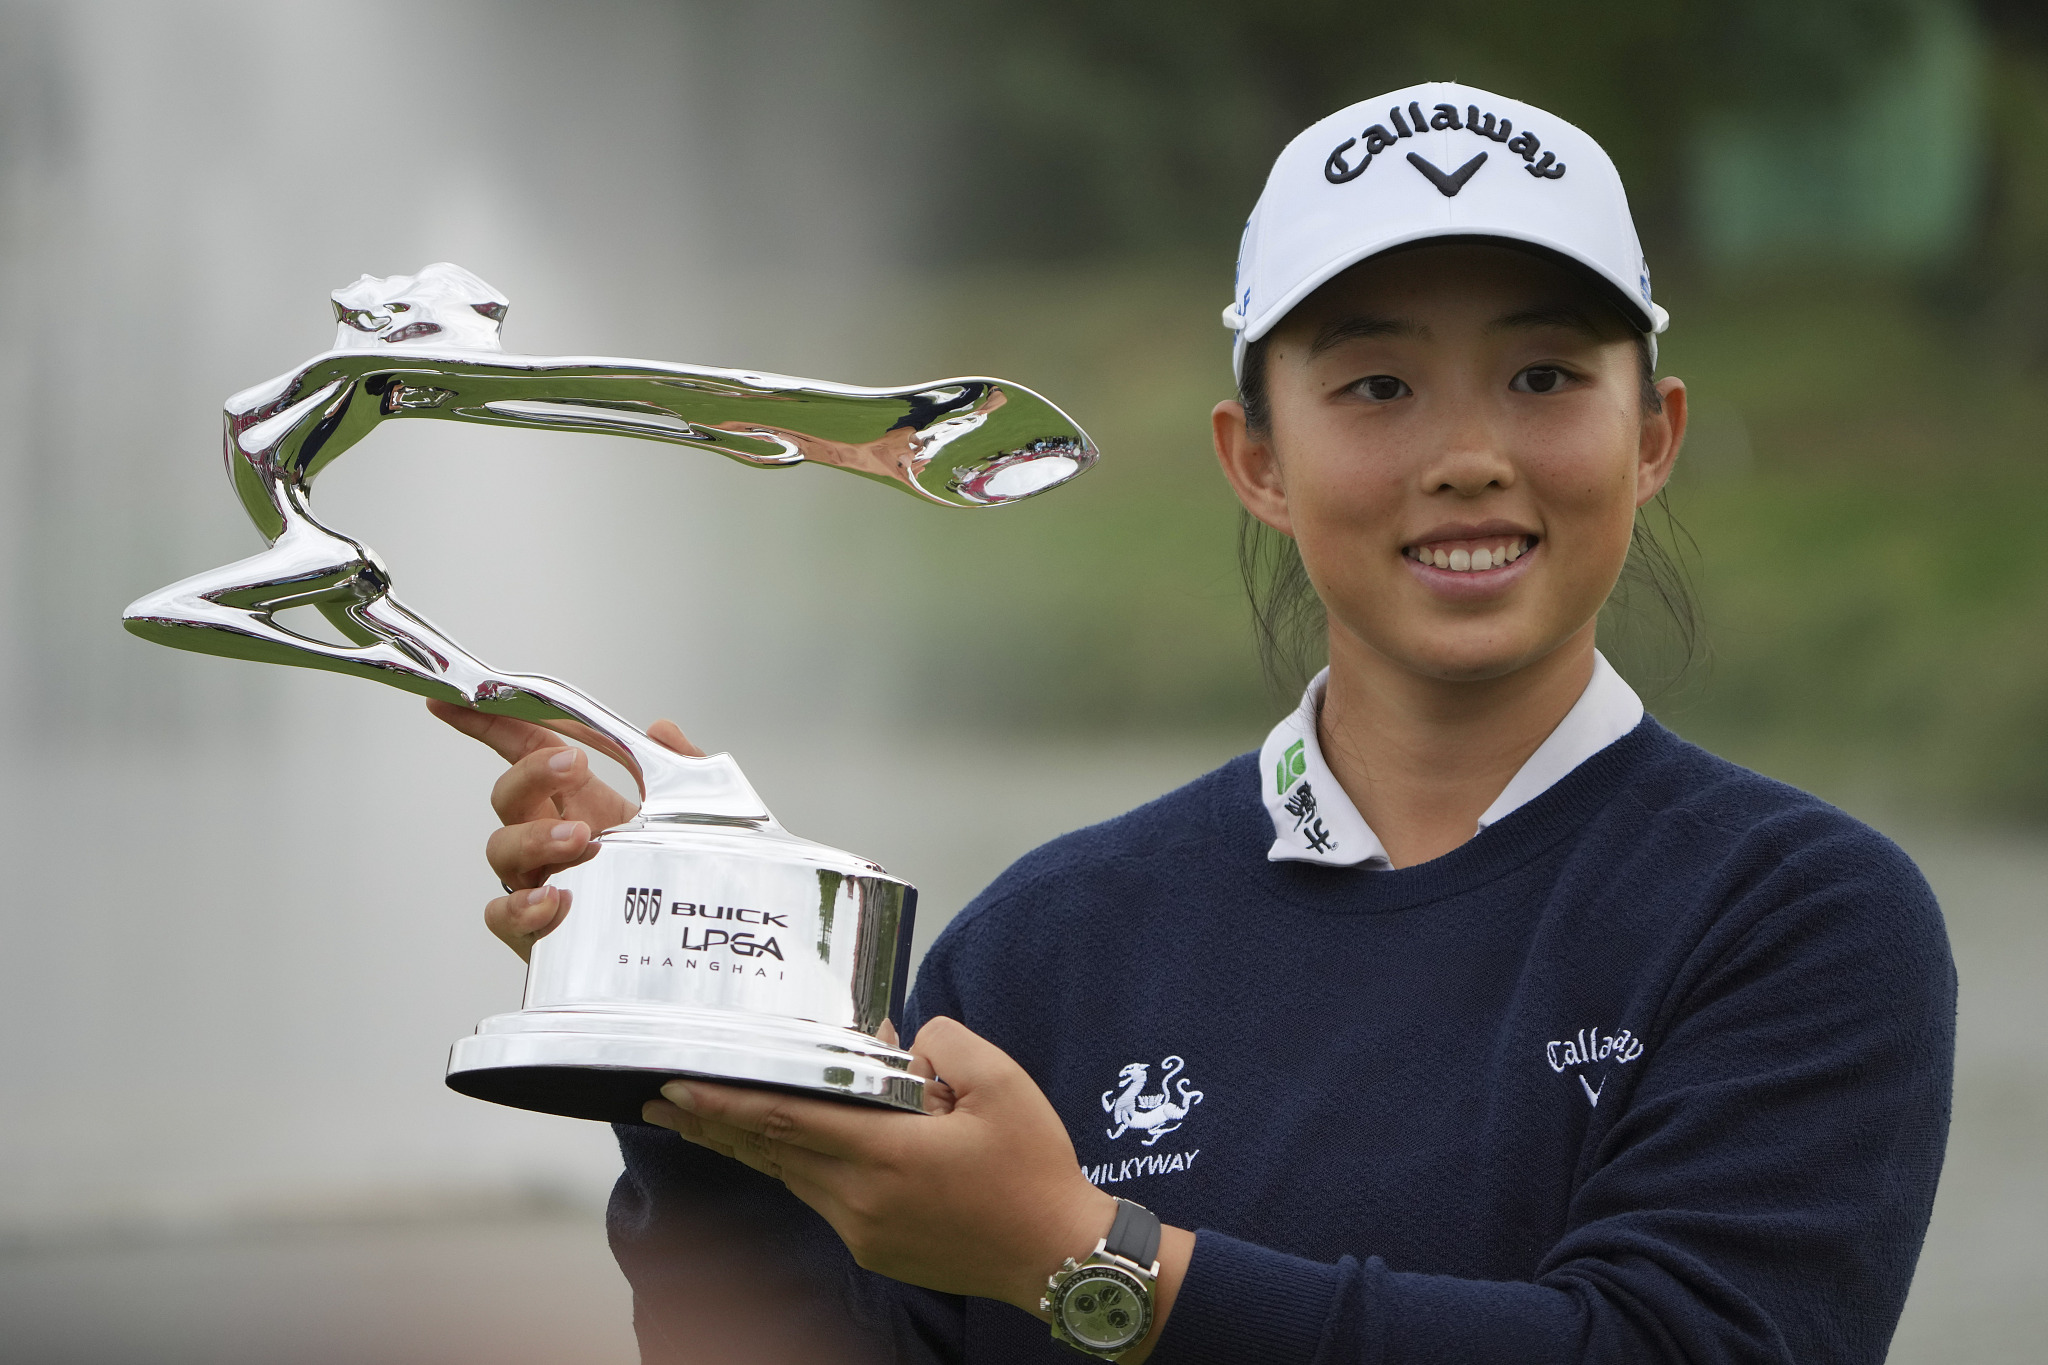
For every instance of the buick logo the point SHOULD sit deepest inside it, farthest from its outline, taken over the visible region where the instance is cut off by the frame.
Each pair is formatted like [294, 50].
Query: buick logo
[643, 904]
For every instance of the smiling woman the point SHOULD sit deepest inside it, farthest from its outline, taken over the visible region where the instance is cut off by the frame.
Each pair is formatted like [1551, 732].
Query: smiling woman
[1505, 1024]
[1289, 622]
[1455, 438]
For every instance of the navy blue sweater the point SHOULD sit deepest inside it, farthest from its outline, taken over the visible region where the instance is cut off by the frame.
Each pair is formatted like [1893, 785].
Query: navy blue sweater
[1657, 1068]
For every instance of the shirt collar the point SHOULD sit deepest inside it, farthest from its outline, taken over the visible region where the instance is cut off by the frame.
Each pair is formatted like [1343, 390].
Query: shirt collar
[1315, 822]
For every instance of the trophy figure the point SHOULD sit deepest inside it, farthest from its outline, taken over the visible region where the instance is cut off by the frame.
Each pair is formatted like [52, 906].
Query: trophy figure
[703, 938]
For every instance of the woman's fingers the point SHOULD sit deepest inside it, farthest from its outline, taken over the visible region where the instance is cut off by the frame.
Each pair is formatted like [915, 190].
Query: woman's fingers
[807, 1172]
[557, 782]
[510, 739]
[670, 736]
[764, 1120]
[523, 918]
[549, 775]
[539, 784]
[526, 855]
[549, 802]
[513, 739]
[939, 1096]
[690, 1128]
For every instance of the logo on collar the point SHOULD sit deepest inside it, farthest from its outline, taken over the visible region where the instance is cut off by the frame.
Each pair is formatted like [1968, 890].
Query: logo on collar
[1377, 139]
[1301, 804]
[1292, 766]
[1291, 772]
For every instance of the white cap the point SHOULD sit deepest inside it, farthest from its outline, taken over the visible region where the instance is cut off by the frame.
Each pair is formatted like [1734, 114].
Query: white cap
[1435, 160]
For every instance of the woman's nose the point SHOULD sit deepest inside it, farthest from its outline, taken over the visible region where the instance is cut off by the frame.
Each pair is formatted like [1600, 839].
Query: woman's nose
[1470, 464]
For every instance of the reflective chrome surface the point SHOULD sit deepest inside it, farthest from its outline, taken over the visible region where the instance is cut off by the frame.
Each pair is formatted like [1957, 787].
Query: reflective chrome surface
[426, 346]
[705, 949]
[613, 1001]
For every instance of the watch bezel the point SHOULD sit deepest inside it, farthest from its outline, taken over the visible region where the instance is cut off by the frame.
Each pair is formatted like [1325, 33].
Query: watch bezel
[1135, 1279]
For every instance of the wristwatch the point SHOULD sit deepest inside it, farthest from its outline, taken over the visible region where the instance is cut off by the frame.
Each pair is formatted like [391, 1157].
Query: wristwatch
[1103, 1305]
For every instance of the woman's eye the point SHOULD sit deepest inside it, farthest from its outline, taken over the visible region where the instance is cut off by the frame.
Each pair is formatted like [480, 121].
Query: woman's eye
[1382, 388]
[1539, 379]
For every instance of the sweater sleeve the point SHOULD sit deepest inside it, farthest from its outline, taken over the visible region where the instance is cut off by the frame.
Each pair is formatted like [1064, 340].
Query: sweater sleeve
[727, 1264]
[1761, 1198]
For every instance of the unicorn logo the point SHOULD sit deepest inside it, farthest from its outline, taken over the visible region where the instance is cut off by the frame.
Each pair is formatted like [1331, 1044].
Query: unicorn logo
[1156, 1114]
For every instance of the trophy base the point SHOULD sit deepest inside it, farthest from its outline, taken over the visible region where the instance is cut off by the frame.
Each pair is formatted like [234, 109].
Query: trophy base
[604, 1063]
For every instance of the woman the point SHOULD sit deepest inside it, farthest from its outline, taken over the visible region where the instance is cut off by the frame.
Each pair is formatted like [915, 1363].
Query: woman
[1477, 1017]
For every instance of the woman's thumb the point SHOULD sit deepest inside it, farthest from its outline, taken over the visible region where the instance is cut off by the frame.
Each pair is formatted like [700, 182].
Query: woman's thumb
[961, 1057]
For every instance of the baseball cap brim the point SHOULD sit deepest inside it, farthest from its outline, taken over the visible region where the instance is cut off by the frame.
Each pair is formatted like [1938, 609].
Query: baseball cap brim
[1644, 318]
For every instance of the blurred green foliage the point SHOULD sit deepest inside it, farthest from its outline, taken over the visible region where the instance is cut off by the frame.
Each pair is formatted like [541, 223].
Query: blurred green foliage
[1114, 603]
[2004, 277]
[1862, 493]
[1862, 489]
[1866, 465]
[1099, 127]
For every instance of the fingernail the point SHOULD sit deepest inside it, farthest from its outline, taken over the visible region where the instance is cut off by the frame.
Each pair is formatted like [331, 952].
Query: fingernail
[680, 1095]
[563, 832]
[536, 896]
[563, 761]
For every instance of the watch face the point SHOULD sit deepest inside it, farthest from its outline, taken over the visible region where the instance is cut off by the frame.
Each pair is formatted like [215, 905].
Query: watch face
[1103, 1308]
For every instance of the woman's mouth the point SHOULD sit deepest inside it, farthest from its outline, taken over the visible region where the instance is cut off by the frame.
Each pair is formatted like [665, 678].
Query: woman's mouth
[1471, 556]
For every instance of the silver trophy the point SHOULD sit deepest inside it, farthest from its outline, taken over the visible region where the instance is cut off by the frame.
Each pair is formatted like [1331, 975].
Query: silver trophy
[703, 938]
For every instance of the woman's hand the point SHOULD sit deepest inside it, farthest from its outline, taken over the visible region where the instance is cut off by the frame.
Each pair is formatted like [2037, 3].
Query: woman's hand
[551, 805]
[983, 1196]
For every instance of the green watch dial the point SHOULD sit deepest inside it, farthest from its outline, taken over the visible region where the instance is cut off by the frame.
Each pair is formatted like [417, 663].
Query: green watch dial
[1103, 1308]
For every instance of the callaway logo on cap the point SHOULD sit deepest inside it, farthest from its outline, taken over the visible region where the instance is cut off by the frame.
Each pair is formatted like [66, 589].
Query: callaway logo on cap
[1438, 160]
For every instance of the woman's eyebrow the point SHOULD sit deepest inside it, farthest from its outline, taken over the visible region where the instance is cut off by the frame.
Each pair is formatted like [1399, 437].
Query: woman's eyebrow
[1567, 316]
[1363, 326]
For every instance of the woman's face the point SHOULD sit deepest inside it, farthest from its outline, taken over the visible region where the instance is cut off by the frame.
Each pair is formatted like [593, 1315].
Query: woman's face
[1458, 446]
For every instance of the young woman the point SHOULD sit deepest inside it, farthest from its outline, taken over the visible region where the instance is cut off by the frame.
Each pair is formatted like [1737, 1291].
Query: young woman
[1477, 1017]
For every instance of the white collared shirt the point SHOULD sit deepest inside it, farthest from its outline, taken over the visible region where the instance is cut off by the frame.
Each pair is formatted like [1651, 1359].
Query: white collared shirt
[1315, 822]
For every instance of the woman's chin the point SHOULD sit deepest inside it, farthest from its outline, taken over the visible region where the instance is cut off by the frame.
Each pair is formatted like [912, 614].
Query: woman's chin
[1474, 667]
[1466, 650]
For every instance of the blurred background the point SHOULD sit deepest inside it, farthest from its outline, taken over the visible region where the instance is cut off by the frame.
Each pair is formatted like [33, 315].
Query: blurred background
[243, 921]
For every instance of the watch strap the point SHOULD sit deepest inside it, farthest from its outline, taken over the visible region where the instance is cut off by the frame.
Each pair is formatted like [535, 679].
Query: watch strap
[1134, 1236]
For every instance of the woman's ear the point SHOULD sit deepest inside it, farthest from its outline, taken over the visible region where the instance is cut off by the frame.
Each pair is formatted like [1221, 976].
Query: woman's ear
[1250, 465]
[1663, 433]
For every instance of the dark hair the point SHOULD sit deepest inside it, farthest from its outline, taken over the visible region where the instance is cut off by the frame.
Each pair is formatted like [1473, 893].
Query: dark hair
[1291, 625]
